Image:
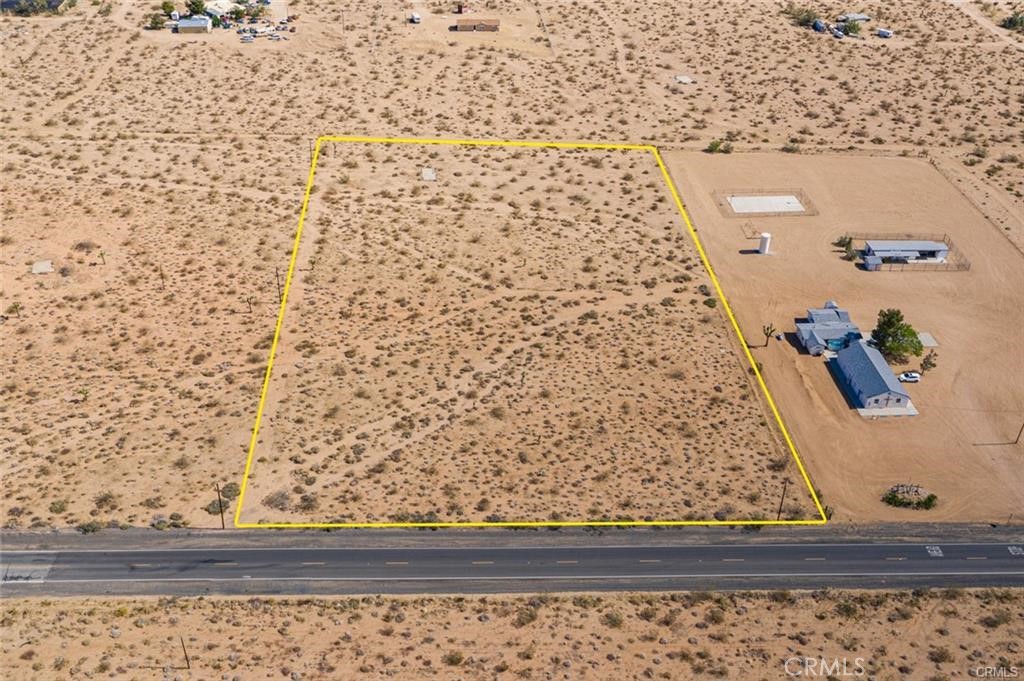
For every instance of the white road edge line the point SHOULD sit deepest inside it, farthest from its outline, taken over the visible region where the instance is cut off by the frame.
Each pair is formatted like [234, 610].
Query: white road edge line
[513, 578]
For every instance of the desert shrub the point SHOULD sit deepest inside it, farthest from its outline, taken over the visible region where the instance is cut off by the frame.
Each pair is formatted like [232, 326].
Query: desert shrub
[230, 490]
[90, 527]
[106, 500]
[940, 655]
[996, 619]
[801, 16]
[612, 619]
[525, 616]
[453, 659]
[58, 506]
[279, 500]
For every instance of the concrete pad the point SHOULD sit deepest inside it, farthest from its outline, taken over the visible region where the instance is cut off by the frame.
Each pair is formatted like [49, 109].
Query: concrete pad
[42, 267]
[784, 203]
[927, 339]
[908, 410]
[428, 175]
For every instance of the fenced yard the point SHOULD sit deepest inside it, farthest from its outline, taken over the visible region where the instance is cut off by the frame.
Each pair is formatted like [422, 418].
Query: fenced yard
[955, 260]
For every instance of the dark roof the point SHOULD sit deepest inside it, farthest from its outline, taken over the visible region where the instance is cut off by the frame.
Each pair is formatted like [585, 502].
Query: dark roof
[867, 372]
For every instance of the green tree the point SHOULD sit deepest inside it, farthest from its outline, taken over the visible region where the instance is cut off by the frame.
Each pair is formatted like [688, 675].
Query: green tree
[768, 330]
[196, 7]
[851, 28]
[156, 21]
[895, 338]
[167, 7]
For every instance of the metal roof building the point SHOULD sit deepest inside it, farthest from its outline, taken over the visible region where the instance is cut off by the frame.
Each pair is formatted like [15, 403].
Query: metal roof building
[870, 382]
[201, 24]
[906, 249]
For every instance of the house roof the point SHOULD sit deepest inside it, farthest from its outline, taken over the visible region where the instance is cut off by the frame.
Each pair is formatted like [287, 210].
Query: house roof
[821, 333]
[824, 315]
[867, 372]
[904, 245]
[194, 21]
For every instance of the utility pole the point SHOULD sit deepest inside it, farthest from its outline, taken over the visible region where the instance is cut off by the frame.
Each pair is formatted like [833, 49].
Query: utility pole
[785, 484]
[220, 504]
[188, 663]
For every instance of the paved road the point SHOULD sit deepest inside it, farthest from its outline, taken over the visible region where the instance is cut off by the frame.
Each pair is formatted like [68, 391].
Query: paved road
[421, 569]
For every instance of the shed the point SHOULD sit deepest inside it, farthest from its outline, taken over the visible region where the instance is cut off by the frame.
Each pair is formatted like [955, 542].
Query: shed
[465, 24]
[884, 33]
[869, 381]
[42, 267]
[201, 24]
[488, 24]
[853, 16]
[428, 174]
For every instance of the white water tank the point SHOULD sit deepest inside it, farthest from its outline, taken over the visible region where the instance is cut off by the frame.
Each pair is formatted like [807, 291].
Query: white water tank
[766, 242]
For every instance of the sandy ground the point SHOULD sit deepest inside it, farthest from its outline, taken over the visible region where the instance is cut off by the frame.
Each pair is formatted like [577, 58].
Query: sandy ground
[531, 337]
[131, 394]
[973, 400]
[881, 635]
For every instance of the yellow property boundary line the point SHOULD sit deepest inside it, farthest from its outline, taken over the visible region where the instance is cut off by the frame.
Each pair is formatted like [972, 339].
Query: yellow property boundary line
[582, 523]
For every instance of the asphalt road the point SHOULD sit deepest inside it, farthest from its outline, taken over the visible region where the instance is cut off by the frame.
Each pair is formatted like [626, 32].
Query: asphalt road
[433, 569]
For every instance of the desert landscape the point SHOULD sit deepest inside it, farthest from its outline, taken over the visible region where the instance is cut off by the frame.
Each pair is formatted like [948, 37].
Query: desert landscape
[161, 177]
[529, 331]
[879, 634]
[960, 446]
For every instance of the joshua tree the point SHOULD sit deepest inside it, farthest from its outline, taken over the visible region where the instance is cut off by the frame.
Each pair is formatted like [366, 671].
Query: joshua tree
[768, 330]
[928, 362]
[15, 309]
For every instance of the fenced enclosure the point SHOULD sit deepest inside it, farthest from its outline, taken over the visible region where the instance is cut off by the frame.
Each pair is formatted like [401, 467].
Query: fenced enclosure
[955, 260]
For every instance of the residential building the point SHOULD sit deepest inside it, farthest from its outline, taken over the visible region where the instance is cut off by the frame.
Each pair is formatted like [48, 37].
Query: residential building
[827, 328]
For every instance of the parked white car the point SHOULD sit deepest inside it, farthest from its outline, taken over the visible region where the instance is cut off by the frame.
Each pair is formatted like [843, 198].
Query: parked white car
[910, 377]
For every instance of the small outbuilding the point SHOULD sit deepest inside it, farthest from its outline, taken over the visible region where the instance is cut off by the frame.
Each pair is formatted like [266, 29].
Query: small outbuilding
[201, 24]
[852, 16]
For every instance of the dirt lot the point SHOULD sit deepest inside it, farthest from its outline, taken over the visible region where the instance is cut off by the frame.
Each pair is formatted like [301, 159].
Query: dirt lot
[889, 636]
[974, 398]
[533, 322]
[132, 376]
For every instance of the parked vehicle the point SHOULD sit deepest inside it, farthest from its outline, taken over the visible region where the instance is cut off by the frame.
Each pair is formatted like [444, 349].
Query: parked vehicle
[910, 377]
